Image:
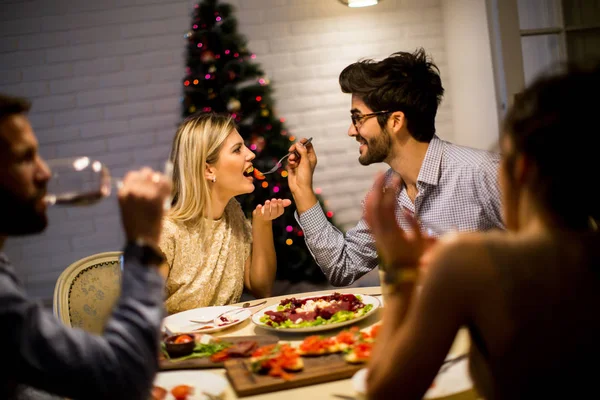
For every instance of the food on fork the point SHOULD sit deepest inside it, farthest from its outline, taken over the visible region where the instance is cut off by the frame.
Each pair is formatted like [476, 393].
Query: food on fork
[258, 175]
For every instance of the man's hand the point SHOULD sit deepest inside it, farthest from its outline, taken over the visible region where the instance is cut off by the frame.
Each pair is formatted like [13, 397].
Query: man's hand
[300, 174]
[270, 210]
[141, 199]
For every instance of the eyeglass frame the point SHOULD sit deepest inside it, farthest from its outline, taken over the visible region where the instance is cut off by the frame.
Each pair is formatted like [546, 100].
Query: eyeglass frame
[359, 118]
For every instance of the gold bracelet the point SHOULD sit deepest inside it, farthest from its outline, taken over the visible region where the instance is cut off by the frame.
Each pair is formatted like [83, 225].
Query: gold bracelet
[403, 275]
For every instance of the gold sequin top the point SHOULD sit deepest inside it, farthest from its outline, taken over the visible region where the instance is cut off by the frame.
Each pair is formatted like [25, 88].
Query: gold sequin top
[206, 266]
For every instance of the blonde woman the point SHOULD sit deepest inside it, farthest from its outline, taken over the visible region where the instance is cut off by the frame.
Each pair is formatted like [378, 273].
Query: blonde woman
[211, 248]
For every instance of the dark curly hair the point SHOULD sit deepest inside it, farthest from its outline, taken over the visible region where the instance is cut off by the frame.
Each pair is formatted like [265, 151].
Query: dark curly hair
[407, 82]
[555, 126]
[10, 105]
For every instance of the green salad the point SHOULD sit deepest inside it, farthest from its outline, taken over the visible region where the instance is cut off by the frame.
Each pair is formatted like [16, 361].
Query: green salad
[338, 317]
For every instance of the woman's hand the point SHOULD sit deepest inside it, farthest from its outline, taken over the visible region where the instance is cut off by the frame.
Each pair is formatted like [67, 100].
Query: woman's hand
[270, 210]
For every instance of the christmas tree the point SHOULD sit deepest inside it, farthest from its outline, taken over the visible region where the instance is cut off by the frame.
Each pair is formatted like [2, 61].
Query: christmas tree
[222, 76]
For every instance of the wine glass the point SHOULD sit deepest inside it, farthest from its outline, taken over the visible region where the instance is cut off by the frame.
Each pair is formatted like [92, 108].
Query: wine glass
[79, 181]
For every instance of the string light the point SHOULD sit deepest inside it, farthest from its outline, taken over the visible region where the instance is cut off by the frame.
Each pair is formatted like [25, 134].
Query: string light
[300, 233]
[284, 174]
[276, 189]
[289, 228]
[186, 83]
[289, 242]
[207, 76]
[258, 98]
[329, 214]
[199, 45]
[196, 81]
[227, 51]
[265, 184]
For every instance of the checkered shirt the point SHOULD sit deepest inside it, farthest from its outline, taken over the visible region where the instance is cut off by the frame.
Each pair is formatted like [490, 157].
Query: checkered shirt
[457, 190]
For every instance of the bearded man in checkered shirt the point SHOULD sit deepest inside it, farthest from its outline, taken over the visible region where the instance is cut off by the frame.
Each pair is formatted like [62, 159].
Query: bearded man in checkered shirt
[445, 186]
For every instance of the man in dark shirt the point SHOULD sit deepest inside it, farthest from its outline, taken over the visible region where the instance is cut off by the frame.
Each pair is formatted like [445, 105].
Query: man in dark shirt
[38, 350]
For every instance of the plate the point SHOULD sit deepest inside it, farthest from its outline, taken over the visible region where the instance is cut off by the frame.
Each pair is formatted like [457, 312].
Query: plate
[181, 322]
[365, 299]
[454, 383]
[201, 381]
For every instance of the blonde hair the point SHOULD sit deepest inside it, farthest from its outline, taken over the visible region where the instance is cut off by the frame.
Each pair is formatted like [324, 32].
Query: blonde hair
[197, 143]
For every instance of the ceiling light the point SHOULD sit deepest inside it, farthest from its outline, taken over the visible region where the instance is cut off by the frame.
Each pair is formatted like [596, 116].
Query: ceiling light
[359, 3]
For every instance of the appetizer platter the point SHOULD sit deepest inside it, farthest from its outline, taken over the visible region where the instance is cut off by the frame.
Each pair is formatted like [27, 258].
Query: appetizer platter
[316, 313]
[195, 350]
[316, 359]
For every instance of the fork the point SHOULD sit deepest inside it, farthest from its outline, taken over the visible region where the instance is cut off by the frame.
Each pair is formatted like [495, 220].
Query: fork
[244, 307]
[282, 159]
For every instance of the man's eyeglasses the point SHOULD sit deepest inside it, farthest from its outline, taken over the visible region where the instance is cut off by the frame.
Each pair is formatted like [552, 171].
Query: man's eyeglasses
[358, 119]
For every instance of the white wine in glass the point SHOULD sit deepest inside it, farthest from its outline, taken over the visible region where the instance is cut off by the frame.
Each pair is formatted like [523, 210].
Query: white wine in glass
[80, 181]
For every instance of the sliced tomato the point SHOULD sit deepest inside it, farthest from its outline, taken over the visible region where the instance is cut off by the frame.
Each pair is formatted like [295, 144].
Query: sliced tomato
[363, 350]
[183, 339]
[158, 393]
[182, 392]
[316, 344]
[220, 356]
[375, 331]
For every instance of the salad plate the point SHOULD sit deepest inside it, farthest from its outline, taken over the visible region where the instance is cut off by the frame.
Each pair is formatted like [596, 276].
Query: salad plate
[183, 321]
[316, 313]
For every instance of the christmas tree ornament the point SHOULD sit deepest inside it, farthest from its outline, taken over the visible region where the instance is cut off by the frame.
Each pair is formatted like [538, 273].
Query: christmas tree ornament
[233, 105]
[207, 56]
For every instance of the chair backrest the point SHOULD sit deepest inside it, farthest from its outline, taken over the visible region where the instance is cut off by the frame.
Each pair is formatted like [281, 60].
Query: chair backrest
[87, 290]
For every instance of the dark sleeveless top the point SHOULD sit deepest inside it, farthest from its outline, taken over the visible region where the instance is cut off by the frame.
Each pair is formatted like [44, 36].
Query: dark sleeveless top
[552, 299]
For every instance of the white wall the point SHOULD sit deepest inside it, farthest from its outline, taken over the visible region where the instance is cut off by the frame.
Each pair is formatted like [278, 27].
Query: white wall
[469, 56]
[105, 78]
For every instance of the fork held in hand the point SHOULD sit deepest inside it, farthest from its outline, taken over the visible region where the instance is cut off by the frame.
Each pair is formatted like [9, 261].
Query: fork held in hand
[276, 167]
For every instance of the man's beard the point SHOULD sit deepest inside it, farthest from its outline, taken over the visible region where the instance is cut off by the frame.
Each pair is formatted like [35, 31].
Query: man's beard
[377, 149]
[19, 216]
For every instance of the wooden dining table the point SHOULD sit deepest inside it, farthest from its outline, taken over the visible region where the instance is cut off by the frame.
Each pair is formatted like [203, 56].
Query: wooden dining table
[339, 389]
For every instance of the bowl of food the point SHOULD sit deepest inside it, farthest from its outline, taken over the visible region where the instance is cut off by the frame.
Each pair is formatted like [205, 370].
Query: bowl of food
[180, 345]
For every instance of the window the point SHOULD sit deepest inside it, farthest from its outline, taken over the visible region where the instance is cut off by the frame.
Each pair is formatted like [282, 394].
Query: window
[557, 30]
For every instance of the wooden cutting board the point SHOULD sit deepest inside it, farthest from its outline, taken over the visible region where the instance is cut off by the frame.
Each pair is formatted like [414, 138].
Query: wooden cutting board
[205, 362]
[316, 370]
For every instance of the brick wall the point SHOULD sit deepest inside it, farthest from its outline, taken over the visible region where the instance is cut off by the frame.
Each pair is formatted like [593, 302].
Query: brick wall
[105, 76]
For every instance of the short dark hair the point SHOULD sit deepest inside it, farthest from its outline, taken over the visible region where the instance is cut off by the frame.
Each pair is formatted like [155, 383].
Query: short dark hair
[407, 82]
[554, 125]
[10, 105]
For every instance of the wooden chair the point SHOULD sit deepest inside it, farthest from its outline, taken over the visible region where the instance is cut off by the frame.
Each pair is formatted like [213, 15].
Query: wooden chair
[87, 290]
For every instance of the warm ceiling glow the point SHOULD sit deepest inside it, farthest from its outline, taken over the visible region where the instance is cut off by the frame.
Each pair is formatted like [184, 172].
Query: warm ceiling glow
[361, 3]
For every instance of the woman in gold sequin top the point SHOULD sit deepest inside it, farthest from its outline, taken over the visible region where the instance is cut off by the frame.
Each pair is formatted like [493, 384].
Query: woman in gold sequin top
[212, 250]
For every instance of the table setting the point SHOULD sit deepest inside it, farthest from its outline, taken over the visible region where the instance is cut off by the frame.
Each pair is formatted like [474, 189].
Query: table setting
[261, 349]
